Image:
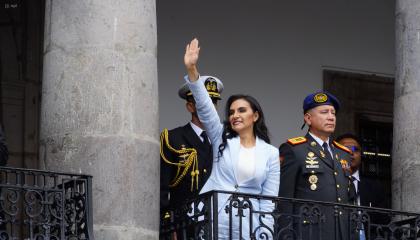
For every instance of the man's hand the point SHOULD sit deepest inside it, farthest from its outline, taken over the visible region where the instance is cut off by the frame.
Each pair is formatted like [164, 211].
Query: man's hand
[192, 52]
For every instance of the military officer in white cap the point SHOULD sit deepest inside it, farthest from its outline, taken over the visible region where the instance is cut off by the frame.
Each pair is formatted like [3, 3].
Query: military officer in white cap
[186, 154]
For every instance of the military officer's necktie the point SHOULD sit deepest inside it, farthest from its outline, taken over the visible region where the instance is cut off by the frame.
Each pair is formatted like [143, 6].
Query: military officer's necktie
[362, 230]
[205, 138]
[352, 191]
[327, 152]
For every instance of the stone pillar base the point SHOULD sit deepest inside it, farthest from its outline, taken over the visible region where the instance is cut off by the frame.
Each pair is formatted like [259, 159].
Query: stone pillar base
[124, 233]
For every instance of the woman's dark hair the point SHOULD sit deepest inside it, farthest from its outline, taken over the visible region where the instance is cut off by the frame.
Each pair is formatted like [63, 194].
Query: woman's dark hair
[260, 129]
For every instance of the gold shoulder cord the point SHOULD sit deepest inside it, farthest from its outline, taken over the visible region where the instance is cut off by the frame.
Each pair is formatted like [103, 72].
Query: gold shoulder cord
[191, 159]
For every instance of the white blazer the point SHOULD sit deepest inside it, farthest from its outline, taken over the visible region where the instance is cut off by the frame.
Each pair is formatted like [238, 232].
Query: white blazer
[266, 180]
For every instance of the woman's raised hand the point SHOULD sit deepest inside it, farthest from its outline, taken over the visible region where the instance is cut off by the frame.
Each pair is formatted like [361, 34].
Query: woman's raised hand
[192, 52]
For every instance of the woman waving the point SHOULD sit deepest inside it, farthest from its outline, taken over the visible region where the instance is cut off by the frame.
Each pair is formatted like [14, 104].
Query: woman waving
[243, 159]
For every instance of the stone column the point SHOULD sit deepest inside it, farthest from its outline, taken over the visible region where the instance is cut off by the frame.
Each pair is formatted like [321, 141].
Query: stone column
[99, 111]
[406, 142]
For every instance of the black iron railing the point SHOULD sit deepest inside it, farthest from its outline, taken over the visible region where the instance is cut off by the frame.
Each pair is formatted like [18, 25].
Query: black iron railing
[45, 205]
[230, 215]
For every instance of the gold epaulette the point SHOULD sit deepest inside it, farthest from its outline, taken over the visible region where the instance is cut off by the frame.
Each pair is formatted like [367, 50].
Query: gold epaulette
[297, 140]
[344, 148]
[190, 161]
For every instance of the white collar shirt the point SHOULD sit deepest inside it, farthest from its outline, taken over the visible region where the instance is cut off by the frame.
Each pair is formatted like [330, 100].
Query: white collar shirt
[356, 180]
[320, 142]
[198, 131]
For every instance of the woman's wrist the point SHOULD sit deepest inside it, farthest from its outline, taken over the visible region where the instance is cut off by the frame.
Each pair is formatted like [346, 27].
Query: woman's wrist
[192, 73]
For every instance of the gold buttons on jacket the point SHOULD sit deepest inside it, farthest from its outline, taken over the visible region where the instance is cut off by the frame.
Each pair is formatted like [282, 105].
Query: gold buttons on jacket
[338, 185]
[339, 199]
[335, 173]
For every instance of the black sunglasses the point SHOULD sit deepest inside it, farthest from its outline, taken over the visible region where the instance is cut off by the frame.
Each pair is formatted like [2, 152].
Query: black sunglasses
[353, 148]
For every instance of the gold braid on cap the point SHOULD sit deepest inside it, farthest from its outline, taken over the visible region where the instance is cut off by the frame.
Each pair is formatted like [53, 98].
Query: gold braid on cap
[190, 156]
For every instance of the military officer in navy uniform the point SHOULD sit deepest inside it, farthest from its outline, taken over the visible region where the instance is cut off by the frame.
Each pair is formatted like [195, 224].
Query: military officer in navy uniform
[315, 167]
[186, 154]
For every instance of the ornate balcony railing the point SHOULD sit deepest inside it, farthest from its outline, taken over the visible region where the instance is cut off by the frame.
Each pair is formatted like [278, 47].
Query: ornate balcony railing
[44, 205]
[291, 219]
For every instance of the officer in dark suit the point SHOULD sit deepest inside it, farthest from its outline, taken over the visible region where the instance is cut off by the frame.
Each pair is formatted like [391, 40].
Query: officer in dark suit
[186, 154]
[369, 192]
[315, 167]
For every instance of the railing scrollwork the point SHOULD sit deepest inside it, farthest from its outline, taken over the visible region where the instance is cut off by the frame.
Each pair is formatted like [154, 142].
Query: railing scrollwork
[297, 219]
[44, 205]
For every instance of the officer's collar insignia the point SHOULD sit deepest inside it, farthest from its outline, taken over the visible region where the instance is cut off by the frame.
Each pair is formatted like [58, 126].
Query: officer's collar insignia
[342, 147]
[296, 140]
[322, 153]
[320, 98]
[313, 143]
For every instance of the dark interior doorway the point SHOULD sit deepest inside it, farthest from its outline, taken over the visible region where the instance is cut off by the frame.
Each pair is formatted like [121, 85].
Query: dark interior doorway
[21, 56]
[367, 111]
